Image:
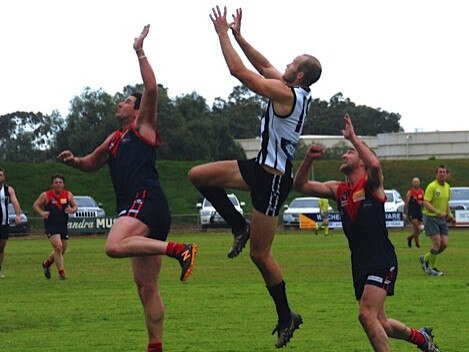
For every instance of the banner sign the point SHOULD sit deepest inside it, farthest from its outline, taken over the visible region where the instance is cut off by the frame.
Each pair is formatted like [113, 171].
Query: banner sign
[393, 219]
[90, 225]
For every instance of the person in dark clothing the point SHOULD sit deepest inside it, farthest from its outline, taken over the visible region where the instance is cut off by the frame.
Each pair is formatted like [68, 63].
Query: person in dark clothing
[54, 206]
[360, 202]
[143, 222]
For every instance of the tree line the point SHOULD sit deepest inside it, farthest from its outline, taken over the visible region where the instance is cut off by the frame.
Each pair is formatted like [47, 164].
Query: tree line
[190, 128]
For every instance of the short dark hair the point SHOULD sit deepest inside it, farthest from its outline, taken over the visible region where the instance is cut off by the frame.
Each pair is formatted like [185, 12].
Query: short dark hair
[442, 167]
[138, 99]
[57, 176]
[311, 67]
[2, 169]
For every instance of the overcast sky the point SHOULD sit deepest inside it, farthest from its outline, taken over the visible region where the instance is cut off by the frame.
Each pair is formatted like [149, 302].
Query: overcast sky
[403, 56]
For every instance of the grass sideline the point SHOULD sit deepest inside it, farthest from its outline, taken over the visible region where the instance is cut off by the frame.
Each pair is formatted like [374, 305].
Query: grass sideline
[224, 306]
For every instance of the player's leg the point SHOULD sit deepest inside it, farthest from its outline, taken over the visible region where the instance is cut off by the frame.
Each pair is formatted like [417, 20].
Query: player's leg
[3, 243]
[211, 180]
[262, 234]
[128, 238]
[146, 271]
[56, 243]
[371, 303]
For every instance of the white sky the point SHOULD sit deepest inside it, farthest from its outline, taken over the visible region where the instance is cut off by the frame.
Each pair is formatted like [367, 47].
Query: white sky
[404, 56]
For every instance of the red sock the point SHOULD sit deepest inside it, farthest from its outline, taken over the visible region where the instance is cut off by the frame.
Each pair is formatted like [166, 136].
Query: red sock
[155, 347]
[416, 337]
[62, 272]
[174, 248]
[47, 263]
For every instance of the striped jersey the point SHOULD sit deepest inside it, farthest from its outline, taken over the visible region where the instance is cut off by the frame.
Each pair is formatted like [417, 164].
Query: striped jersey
[280, 134]
[4, 200]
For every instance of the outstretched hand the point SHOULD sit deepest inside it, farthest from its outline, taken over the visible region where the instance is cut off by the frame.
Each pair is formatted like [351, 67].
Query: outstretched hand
[348, 131]
[138, 42]
[66, 157]
[236, 24]
[219, 20]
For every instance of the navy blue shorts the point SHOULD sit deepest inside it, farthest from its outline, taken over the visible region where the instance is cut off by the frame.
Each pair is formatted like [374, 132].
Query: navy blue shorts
[386, 279]
[150, 207]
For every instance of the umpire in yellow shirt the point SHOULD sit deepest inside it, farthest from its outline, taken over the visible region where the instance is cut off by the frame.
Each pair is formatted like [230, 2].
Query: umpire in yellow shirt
[436, 212]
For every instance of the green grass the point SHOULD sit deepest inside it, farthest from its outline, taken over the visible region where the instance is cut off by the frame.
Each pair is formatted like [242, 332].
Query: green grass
[224, 306]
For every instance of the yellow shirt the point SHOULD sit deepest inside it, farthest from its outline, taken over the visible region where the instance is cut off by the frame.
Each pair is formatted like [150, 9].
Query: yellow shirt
[438, 196]
[324, 204]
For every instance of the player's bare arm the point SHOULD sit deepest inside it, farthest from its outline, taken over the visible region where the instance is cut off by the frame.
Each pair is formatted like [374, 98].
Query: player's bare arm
[16, 205]
[91, 162]
[73, 206]
[146, 119]
[301, 182]
[39, 203]
[259, 61]
[273, 89]
[375, 173]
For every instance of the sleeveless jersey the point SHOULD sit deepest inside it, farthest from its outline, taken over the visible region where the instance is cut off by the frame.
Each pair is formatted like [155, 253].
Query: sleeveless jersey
[416, 200]
[132, 162]
[58, 218]
[4, 200]
[280, 134]
[364, 224]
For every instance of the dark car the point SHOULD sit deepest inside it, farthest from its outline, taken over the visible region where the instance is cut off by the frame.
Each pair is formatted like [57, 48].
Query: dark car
[21, 229]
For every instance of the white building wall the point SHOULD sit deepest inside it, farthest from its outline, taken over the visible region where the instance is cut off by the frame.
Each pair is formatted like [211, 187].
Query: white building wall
[402, 145]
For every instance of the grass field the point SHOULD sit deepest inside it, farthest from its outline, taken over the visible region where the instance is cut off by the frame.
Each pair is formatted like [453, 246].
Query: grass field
[224, 306]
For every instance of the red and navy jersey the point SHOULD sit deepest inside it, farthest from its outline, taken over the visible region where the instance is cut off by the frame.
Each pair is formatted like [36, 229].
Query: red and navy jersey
[56, 204]
[132, 162]
[364, 224]
[416, 200]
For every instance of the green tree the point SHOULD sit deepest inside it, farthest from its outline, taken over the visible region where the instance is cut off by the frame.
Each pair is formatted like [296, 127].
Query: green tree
[27, 136]
[89, 123]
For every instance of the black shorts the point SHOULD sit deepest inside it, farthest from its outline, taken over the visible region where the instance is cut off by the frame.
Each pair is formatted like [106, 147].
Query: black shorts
[386, 279]
[4, 232]
[150, 207]
[268, 191]
[54, 227]
[416, 214]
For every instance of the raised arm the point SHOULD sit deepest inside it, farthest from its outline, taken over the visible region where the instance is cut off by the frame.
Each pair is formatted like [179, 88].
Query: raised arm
[146, 119]
[371, 161]
[302, 184]
[259, 61]
[273, 89]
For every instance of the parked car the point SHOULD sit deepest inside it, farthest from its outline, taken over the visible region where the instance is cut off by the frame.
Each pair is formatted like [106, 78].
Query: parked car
[394, 201]
[209, 216]
[88, 208]
[459, 199]
[22, 228]
[301, 205]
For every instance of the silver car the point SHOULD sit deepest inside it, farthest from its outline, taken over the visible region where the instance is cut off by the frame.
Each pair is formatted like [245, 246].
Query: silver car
[88, 208]
[209, 217]
[459, 199]
[301, 205]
